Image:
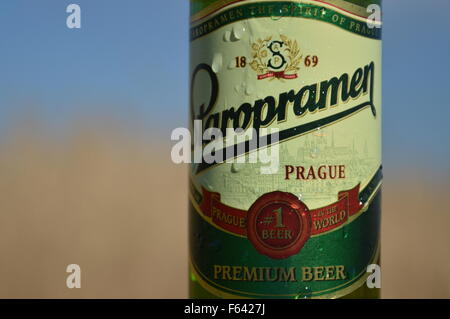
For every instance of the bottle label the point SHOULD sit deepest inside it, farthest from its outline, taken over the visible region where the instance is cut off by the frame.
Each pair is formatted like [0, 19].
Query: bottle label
[305, 224]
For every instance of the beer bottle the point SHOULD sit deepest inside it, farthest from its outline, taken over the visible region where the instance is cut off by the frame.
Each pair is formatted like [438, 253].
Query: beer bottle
[285, 181]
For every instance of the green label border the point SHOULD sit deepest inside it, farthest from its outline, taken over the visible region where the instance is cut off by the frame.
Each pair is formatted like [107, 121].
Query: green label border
[285, 9]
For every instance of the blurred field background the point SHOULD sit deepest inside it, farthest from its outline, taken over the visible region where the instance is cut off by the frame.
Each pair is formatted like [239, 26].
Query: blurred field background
[85, 170]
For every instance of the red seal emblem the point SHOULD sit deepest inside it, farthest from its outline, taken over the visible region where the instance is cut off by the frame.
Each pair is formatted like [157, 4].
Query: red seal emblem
[278, 225]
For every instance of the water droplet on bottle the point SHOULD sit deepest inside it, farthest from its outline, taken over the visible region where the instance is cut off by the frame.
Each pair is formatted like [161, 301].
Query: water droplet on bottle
[277, 14]
[319, 132]
[209, 186]
[314, 152]
[199, 240]
[345, 232]
[249, 90]
[215, 245]
[236, 168]
[351, 272]
[217, 63]
[238, 32]
[305, 293]
[232, 64]
[227, 36]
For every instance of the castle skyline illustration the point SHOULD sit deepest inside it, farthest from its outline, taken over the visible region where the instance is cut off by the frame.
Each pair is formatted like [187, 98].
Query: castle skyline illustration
[317, 148]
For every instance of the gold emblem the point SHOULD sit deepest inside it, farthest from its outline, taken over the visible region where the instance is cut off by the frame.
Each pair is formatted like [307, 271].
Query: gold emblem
[276, 59]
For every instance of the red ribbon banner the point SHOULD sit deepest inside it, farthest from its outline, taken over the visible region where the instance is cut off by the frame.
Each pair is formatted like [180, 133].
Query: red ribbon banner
[278, 75]
[332, 216]
[323, 219]
[228, 218]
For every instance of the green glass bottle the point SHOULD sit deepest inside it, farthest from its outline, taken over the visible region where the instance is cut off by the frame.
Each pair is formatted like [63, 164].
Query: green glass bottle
[285, 194]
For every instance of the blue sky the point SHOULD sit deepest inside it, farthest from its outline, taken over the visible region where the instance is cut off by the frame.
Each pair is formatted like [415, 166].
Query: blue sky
[130, 59]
